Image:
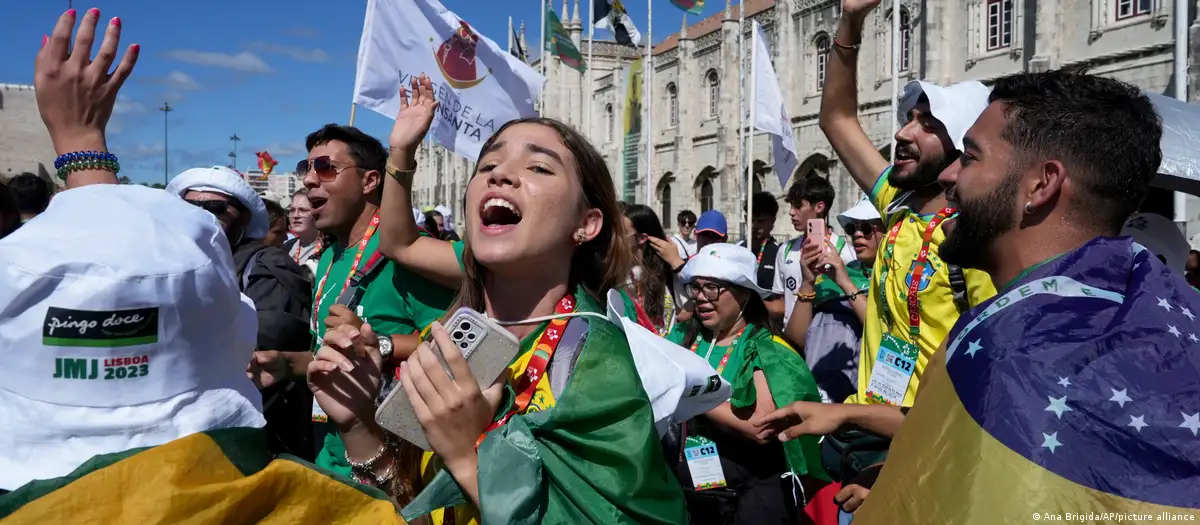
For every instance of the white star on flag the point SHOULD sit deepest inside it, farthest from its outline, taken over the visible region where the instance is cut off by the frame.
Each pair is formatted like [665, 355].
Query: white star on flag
[1163, 303]
[1188, 313]
[1119, 397]
[1173, 331]
[1064, 382]
[1058, 406]
[1193, 338]
[974, 347]
[1050, 441]
[1191, 422]
[1138, 422]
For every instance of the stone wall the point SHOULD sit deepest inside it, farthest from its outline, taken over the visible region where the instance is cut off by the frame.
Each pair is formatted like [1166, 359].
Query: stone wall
[24, 144]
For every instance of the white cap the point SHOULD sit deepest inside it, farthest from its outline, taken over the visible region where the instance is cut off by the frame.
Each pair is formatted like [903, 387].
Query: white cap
[731, 263]
[123, 327]
[1161, 236]
[863, 211]
[219, 179]
[955, 106]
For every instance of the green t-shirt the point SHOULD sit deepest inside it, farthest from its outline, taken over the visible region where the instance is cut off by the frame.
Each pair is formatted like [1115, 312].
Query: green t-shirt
[826, 289]
[679, 333]
[395, 301]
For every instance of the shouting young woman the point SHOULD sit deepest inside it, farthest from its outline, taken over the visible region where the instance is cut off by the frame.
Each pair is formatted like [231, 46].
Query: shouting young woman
[567, 434]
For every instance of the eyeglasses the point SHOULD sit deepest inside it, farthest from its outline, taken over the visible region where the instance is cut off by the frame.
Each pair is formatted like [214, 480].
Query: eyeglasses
[213, 206]
[710, 291]
[687, 224]
[325, 167]
[865, 228]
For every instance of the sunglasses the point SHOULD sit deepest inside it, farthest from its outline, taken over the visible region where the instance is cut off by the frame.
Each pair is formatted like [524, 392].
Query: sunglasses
[865, 228]
[686, 224]
[324, 166]
[214, 206]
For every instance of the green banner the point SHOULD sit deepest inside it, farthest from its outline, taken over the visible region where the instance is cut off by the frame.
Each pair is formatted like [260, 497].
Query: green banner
[559, 43]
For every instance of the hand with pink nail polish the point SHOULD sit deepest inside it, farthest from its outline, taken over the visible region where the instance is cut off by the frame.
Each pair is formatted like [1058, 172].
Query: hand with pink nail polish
[75, 93]
[346, 374]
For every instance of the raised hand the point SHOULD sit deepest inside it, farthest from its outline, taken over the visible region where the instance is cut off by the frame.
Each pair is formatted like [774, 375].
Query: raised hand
[76, 94]
[858, 7]
[412, 123]
[346, 374]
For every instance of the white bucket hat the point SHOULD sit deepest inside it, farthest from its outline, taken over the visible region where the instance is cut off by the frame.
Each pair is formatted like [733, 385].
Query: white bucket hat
[956, 106]
[725, 262]
[122, 327]
[1161, 236]
[225, 181]
[863, 211]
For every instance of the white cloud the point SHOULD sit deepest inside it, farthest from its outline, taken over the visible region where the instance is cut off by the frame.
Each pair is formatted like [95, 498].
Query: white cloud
[245, 61]
[181, 81]
[296, 53]
[124, 111]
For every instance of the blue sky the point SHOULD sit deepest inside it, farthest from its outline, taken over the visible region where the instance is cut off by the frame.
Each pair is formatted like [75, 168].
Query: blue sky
[269, 71]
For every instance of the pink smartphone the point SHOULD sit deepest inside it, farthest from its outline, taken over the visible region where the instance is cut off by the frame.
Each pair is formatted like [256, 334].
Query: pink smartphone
[816, 232]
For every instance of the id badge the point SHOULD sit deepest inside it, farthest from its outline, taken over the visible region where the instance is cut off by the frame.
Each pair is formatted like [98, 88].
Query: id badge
[894, 366]
[318, 415]
[703, 463]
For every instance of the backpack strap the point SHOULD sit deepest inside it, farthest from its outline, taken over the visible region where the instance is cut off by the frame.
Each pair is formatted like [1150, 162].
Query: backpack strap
[958, 285]
[352, 294]
[562, 363]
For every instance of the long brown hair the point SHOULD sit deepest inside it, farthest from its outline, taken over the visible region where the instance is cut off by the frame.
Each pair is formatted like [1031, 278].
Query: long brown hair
[598, 265]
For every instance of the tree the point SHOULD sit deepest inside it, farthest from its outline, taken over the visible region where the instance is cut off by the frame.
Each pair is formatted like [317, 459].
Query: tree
[124, 180]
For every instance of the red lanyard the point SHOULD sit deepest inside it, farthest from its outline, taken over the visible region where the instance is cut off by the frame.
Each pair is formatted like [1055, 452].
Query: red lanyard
[762, 248]
[535, 370]
[362, 248]
[299, 248]
[918, 269]
[724, 359]
[644, 318]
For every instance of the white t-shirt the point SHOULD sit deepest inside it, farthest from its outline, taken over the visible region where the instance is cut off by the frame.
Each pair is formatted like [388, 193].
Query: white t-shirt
[686, 248]
[788, 274]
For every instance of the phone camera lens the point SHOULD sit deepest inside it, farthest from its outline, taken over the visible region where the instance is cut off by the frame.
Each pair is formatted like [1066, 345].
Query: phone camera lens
[464, 326]
[462, 345]
[457, 336]
[470, 336]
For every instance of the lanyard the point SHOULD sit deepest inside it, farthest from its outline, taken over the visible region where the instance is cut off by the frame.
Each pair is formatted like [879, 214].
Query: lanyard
[535, 370]
[724, 359]
[761, 248]
[918, 270]
[644, 318]
[362, 247]
[300, 248]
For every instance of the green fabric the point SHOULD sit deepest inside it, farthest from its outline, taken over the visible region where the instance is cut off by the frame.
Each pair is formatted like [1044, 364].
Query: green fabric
[459, 246]
[594, 457]
[245, 448]
[679, 334]
[559, 43]
[395, 301]
[828, 290]
[1026, 271]
[790, 380]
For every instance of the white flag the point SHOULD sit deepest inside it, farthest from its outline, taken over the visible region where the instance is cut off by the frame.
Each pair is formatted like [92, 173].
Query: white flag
[478, 85]
[771, 113]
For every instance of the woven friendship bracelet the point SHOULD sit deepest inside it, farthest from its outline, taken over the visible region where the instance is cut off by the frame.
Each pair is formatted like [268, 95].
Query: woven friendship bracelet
[86, 160]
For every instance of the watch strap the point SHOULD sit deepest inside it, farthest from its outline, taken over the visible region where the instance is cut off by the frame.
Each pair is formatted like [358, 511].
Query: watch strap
[404, 177]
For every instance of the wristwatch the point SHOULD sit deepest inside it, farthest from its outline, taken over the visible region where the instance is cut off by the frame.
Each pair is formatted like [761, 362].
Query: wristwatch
[385, 348]
[404, 177]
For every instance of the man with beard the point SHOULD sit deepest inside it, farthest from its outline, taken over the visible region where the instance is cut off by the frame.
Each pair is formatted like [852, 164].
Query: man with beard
[902, 332]
[1080, 375]
[354, 282]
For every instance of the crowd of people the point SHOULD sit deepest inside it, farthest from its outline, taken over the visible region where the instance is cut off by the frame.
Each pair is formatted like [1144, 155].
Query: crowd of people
[201, 355]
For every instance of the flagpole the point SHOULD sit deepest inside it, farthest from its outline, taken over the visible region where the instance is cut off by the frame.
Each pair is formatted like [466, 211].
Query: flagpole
[542, 59]
[510, 36]
[750, 139]
[589, 91]
[741, 53]
[895, 72]
[353, 106]
[649, 102]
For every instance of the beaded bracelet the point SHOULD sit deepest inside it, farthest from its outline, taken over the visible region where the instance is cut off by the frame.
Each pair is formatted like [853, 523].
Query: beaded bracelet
[86, 160]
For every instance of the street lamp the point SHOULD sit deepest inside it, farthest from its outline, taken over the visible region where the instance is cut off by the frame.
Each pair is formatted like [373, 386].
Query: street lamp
[166, 109]
[233, 154]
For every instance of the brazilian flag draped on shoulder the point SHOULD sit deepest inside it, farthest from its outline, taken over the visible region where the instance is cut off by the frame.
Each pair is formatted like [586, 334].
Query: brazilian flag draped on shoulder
[592, 456]
[222, 476]
[1073, 391]
[790, 380]
[559, 43]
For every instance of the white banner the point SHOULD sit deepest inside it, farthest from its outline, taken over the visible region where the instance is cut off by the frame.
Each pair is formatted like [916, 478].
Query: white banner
[771, 113]
[479, 86]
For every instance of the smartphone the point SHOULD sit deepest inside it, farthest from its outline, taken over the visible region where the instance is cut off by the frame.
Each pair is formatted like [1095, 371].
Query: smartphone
[488, 349]
[816, 234]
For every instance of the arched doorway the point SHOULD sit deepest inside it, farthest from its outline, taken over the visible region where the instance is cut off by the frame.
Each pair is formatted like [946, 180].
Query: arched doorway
[705, 194]
[664, 199]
